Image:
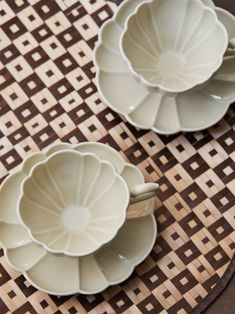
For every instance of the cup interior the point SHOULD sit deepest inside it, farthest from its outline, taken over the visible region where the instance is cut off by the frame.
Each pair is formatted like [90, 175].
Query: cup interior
[73, 203]
[174, 44]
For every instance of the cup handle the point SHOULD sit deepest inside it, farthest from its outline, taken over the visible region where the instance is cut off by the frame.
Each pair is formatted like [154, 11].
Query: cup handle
[231, 44]
[143, 192]
[231, 48]
[140, 193]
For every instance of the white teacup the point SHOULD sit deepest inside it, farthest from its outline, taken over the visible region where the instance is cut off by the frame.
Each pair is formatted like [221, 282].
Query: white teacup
[173, 45]
[74, 203]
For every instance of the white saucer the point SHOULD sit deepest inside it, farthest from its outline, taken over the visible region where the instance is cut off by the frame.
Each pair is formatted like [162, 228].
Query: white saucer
[64, 275]
[193, 110]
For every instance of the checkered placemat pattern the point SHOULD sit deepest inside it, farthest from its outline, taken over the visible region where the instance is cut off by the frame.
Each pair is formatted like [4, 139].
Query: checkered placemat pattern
[48, 94]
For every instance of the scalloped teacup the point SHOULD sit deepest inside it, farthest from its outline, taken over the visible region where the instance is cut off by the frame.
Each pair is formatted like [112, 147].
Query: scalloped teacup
[172, 53]
[73, 203]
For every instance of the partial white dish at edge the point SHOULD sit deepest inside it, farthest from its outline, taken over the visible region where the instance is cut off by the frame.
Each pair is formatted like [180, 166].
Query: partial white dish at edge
[146, 108]
[64, 275]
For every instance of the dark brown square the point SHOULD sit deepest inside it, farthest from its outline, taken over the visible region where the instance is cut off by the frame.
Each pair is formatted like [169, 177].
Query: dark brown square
[96, 15]
[178, 306]
[85, 26]
[149, 169]
[53, 45]
[136, 291]
[207, 213]
[175, 236]
[35, 125]
[191, 224]
[171, 265]
[156, 274]
[30, 109]
[180, 148]
[215, 262]
[120, 298]
[61, 64]
[124, 136]
[18, 67]
[49, 73]
[17, 5]
[161, 249]
[178, 177]
[56, 88]
[69, 37]
[201, 268]
[205, 240]
[153, 302]
[52, 8]
[62, 125]
[36, 57]
[168, 218]
[11, 294]
[25, 43]
[213, 152]
[227, 141]
[92, 128]
[166, 294]
[209, 184]
[202, 166]
[193, 188]
[27, 290]
[188, 252]
[178, 206]
[81, 54]
[221, 172]
[220, 229]
[26, 148]
[189, 279]
[31, 17]
[13, 96]
[168, 191]
[217, 200]
[7, 28]
[130, 153]
[164, 160]
[14, 53]
[72, 310]
[151, 144]
[37, 84]
[44, 304]
[8, 124]
[42, 32]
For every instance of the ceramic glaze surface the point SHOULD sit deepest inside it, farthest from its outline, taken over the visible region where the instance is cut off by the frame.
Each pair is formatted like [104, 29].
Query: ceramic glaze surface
[64, 275]
[73, 203]
[146, 107]
[174, 44]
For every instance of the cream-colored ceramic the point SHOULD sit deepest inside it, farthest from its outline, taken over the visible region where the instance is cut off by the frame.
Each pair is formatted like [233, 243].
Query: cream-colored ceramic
[173, 45]
[64, 275]
[147, 108]
[74, 203]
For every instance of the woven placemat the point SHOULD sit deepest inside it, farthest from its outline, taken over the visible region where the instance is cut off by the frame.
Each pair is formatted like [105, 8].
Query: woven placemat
[47, 95]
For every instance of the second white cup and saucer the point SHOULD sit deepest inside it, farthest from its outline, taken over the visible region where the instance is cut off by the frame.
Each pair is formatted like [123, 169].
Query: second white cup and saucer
[62, 273]
[148, 107]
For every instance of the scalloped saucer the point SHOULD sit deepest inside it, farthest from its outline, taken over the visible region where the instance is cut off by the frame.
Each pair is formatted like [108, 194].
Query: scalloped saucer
[65, 275]
[145, 107]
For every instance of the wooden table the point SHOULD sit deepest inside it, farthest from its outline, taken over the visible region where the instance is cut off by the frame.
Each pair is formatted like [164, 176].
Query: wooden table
[48, 94]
